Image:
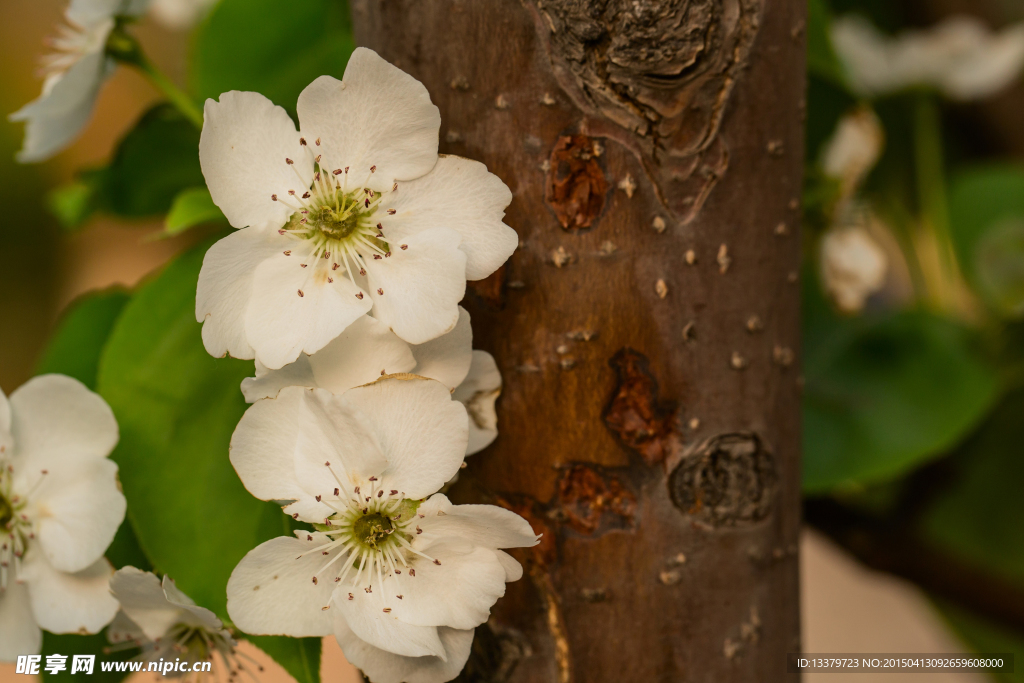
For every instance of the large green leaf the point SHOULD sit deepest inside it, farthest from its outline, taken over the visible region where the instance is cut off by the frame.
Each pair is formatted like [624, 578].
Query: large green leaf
[983, 636]
[299, 656]
[254, 45]
[76, 344]
[882, 397]
[821, 56]
[192, 207]
[177, 407]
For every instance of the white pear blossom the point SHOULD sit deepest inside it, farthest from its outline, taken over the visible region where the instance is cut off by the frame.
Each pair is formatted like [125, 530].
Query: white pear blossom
[180, 14]
[74, 73]
[401, 577]
[355, 211]
[368, 349]
[165, 623]
[60, 507]
[960, 56]
[853, 150]
[853, 265]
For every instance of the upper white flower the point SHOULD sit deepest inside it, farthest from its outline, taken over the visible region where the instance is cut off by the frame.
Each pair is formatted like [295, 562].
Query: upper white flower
[59, 510]
[401, 581]
[180, 14]
[75, 71]
[355, 211]
[165, 622]
[368, 349]
[960, 56]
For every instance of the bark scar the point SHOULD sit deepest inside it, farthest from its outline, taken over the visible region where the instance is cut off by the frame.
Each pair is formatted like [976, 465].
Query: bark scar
[635, 415]
[655, 76]
[576, 184]
[589, 499]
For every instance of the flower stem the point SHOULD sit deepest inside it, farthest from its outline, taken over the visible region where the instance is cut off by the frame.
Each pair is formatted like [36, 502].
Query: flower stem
[123, 48]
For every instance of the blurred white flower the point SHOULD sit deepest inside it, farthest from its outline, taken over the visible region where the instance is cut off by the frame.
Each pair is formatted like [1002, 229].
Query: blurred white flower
[75, 70]
[180, 14]
[165, 623]
[367, 349]
[960, 56]
[60, 507]
[386, 571]
[853, 266]
[356, 211]
[853, 150]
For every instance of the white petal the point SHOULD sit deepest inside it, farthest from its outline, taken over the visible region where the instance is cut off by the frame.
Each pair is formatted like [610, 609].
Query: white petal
[486, 525]
[513, 570]
[381, 666]
[268, 383]
[225, 287]
[422, 285]
[281, 323]
[143, 601]
[280, 446]
[364, 614]
[191, 613]
[69, 603]
[458, 593]
[422, 432]
[78, 509]
[271, 592]
[242, 150]
[448, 357]
[19, 634]
[6, 441]
[478, 392]
[122, 628]
[463, 195]
[56, 421]
[377, 115]
[364, 351]
[57, 116]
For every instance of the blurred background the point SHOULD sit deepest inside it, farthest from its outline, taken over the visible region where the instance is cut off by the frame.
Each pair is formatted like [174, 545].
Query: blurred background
[913, 287]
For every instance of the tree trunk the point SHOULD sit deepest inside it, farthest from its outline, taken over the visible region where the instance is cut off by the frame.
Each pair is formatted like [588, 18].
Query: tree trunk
[646, 328]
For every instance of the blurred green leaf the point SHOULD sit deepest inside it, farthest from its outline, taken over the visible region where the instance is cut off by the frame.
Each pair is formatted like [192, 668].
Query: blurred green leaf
[253, 45]
[979, 517]
[983, 201]
[75, 202]
[76, 344]
[883, 396]
[192, 207]
[153, 163]
[177, 407]
[299, 656]
[821, 55]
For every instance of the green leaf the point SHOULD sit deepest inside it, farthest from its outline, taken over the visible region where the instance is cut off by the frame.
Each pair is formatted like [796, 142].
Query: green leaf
[985, 203]
[253, 45]
[153, 163]
[177, 407]
[76, 344]
[299, 656]
[75, 202]
[821, 55]
[192, 207]
[982, 636]
[884, 396]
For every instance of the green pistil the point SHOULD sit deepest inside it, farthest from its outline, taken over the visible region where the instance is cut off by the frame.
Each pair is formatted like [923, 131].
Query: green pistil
[6, 512]
[372, 530]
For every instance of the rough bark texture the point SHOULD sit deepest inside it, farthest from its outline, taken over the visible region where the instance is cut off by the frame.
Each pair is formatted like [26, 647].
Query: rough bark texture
[646, 328]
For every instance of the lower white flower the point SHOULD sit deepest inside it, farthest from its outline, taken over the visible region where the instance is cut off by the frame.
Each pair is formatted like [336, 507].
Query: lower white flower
[165, 623]
[60, 507]
[400, 579]
[853, 266]
[961, 57]
[355, 212]
[368, 349]
[75, 71]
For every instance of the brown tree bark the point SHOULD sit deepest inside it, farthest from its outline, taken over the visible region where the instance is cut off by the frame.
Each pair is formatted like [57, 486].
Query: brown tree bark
[646, 328]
